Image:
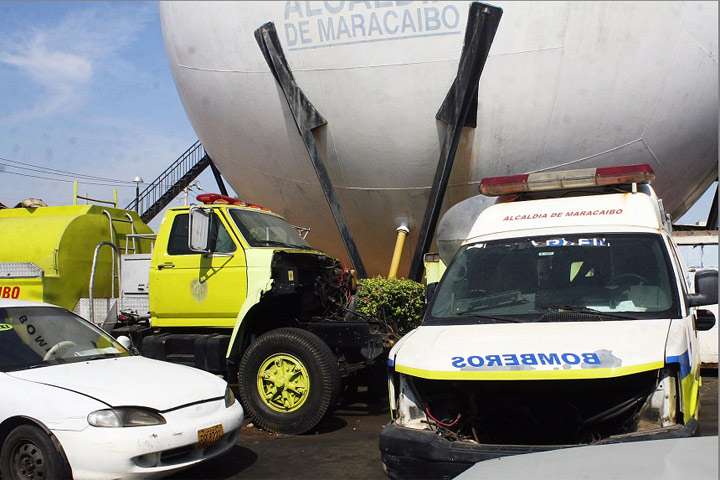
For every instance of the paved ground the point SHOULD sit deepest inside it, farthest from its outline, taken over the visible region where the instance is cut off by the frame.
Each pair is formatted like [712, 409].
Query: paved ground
[345, 446]
[709, 405]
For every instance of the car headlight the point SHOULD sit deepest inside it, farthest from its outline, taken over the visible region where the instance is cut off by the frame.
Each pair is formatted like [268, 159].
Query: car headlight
[124, 417]
[229, 397]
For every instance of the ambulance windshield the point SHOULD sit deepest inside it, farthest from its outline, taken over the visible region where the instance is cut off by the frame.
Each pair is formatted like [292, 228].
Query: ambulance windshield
[557, 278]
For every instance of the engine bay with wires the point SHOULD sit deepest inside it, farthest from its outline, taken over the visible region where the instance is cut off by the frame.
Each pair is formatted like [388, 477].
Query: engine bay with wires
[560, 412]
[322, 286]
[316, 292]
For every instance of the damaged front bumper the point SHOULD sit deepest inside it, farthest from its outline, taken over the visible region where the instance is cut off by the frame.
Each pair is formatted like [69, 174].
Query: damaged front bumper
[414, 453]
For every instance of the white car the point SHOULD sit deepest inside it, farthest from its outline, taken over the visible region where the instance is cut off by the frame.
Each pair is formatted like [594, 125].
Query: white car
[666, 459]
[75, 403]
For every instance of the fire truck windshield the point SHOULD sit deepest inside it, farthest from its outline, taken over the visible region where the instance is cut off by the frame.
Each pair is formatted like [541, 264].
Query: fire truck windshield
[262, 229]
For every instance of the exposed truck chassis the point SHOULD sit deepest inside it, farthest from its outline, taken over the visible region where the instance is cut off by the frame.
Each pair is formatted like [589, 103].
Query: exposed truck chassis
[310, 293]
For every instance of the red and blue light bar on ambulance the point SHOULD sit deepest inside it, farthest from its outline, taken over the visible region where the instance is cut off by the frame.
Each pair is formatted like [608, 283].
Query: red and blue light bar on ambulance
[566, 179]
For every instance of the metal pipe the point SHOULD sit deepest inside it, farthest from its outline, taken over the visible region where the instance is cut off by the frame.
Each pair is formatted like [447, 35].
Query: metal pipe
[92, 277]
[115, 258]
[402, 232]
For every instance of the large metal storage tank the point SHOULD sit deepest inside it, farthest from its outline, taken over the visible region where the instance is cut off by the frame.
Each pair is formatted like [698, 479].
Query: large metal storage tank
[566, 84]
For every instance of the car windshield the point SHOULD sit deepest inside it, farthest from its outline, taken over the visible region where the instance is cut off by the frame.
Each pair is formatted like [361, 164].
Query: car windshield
[41, 336]
[557, 278]
[266, 230]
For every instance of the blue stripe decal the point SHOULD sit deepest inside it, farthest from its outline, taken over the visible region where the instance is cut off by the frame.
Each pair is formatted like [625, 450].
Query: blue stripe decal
[684, 361]
[391, 362]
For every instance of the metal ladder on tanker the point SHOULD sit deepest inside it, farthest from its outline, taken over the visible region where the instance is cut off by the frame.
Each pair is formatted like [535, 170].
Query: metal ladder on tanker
[104, 310]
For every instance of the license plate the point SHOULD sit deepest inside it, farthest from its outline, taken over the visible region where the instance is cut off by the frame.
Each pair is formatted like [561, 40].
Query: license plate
[210, 435]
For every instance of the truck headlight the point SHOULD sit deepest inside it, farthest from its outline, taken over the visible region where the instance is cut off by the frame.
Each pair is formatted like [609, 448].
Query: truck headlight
[124, 417]
[229, 397]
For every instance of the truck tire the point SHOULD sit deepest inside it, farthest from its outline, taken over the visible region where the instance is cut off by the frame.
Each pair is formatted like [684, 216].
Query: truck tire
[288, 380]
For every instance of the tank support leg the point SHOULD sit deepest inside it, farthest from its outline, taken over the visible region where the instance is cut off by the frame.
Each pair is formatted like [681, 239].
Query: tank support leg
[459, 109]
[307, 118]
[218, 178]
[712, 220]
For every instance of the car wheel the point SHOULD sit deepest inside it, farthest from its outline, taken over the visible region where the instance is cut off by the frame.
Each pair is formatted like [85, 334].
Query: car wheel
[30, 453]
[288, 379]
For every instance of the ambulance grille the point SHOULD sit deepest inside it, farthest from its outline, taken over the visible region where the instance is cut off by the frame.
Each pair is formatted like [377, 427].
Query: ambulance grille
[557, 412]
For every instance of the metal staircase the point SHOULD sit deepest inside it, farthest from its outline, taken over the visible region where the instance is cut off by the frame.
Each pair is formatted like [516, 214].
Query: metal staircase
[168, 185]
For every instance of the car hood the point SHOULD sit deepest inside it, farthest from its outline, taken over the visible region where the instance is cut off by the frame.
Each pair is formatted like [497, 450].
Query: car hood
[536, 351]
[128, 381]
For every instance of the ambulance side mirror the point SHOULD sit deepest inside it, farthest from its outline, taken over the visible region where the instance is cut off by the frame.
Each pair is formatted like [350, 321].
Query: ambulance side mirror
[199, 229]
[706, 288]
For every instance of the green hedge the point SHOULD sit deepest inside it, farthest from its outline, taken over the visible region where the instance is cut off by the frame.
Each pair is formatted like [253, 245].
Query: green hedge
[400, 300]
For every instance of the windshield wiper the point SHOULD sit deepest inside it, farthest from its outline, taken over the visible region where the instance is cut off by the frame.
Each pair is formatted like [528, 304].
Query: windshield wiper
[591, 311]
[97, 356]
[277, 243]
[273, 243]
[497, 318]
[29, 367]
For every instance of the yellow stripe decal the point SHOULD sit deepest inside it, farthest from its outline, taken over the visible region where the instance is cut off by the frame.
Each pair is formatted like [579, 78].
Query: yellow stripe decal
[564, 374]
[690, 385]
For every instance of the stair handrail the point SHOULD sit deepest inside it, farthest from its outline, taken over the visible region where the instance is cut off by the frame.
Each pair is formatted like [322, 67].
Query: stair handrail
[172, 171]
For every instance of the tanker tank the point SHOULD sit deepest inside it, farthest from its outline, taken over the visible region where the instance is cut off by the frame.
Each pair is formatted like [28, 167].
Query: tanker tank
[47, 253]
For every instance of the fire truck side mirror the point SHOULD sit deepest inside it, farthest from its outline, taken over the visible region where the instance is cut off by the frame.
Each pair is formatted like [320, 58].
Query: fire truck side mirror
[199, 229]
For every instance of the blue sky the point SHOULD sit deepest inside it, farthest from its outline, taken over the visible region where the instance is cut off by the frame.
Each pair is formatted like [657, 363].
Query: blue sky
[86, 90]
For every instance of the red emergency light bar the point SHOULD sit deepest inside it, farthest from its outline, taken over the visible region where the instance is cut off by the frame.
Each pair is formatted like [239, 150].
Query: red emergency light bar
[210, 198]
[566, 179]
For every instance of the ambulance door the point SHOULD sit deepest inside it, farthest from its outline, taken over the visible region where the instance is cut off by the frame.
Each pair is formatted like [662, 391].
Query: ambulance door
[194, 289]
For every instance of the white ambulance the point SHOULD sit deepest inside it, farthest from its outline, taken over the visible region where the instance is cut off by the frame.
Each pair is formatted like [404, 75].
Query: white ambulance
[564, 319]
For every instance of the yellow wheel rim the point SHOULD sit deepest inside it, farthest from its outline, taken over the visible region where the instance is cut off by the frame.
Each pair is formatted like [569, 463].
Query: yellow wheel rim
[283, 383]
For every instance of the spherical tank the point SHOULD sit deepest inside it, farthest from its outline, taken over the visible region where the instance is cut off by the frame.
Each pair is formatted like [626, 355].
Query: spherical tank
[565, 85]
